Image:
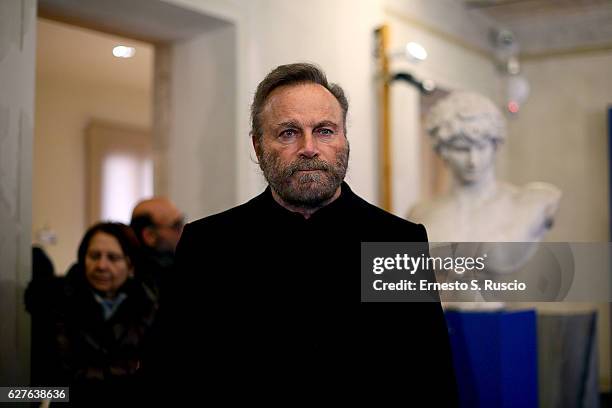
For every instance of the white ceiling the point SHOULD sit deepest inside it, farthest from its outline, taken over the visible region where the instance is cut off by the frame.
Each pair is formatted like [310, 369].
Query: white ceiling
[154, 21]
[512, 10]
[551, 26]
[66, 51]
[540, 26]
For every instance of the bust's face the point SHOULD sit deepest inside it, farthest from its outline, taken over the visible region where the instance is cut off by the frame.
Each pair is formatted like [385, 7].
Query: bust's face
[469, 160]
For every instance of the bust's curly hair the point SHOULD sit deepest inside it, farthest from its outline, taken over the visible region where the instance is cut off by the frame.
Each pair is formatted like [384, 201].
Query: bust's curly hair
[467, 115]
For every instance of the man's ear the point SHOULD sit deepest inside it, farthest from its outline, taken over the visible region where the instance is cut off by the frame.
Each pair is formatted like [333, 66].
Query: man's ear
[256, 145]
[149, 236]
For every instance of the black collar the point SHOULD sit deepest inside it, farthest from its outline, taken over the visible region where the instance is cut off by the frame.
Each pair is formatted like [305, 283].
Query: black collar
[268, 205]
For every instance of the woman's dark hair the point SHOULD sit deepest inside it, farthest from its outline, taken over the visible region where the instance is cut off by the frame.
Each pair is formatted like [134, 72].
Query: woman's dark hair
[125, 236]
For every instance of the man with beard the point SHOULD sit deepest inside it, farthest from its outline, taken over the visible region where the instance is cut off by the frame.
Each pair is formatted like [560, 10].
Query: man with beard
[265, 301]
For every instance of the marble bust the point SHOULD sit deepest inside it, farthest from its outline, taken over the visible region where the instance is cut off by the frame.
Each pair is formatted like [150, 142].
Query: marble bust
[466, 130]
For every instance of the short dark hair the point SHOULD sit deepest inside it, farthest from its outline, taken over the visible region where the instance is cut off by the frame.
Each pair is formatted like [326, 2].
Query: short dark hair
[292, 74]
[139, 223]
[124, 235]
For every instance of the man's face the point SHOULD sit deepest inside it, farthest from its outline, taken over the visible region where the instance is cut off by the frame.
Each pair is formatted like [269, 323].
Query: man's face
[469, 160]
[164, 234]
[168, 227]
[303, 151]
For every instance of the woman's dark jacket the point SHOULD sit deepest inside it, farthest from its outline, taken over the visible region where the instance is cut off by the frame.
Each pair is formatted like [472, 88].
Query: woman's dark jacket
[101, 359]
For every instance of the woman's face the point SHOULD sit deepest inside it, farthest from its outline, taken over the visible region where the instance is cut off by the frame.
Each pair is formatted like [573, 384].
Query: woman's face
[106, 266]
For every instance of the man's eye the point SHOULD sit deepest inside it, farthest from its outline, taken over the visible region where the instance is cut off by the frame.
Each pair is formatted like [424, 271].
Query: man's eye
[325, 132]
[288, 133]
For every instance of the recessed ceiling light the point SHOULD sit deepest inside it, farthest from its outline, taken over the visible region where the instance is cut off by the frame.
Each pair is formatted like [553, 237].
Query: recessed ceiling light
[121, 51]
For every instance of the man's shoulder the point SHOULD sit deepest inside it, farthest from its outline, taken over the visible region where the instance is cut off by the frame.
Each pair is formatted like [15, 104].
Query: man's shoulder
[212, 231]
[379, 214]
[380, 219]
[237, 215]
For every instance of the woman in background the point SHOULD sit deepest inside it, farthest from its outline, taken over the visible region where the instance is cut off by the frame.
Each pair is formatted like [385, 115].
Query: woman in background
[103, 319]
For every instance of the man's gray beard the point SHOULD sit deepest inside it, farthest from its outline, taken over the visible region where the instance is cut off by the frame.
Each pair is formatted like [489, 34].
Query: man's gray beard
[305, 190]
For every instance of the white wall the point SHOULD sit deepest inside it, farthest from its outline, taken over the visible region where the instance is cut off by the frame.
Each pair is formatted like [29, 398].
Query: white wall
[202, 137]
[453, 63]
[560, 136]
[449, 19]
[63, 110]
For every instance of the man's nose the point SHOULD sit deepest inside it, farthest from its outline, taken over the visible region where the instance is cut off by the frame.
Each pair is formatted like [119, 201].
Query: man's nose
[308, 147]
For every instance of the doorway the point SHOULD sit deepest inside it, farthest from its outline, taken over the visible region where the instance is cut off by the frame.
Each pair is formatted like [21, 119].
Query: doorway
[92, 107]
[195, 84]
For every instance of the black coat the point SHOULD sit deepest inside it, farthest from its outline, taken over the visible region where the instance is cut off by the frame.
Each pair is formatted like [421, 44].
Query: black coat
[264, 301]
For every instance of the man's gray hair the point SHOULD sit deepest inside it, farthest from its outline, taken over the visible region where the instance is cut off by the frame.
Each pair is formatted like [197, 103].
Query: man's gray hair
[465, 114]
[292, 74]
